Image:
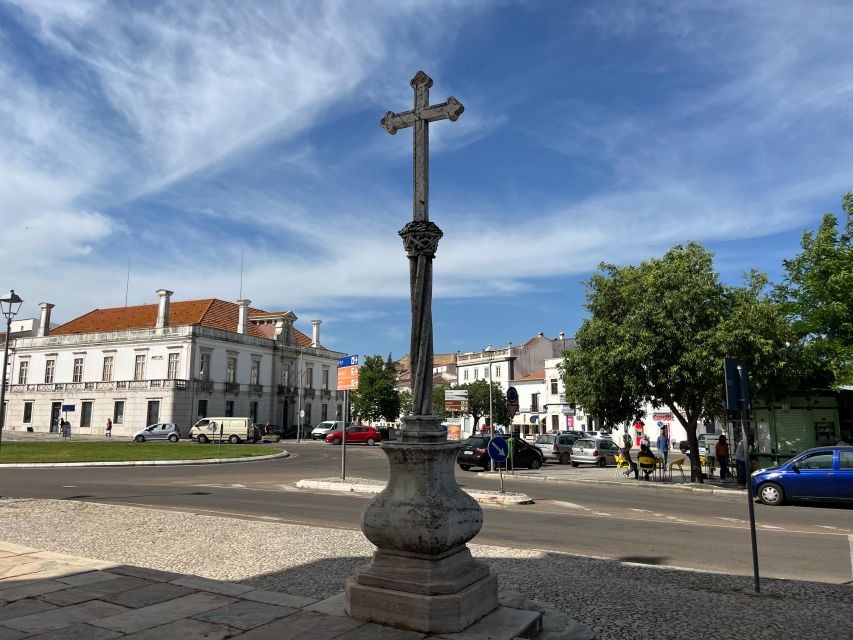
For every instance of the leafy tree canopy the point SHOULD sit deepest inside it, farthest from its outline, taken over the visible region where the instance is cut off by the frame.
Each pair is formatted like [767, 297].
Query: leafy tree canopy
[658, 332]
[817, 292]
[376, 397]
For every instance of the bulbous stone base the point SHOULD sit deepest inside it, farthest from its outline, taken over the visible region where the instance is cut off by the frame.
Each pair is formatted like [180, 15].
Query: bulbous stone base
[422, 576]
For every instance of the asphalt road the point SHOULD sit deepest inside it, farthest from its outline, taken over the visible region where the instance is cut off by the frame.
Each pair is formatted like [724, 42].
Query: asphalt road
[671, 528]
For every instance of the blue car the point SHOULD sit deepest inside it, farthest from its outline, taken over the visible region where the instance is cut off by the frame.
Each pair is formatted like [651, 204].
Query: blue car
[822, 473]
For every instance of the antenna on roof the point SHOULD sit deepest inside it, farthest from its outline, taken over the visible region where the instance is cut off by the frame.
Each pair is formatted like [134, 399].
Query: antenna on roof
[127, 283]
[240, 297]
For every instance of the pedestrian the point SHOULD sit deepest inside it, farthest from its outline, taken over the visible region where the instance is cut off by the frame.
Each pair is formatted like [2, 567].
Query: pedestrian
[625, 452]
[645, 441]
[741, 456]
[722, 453]
[109, 427]
[663, 445]
[66, 428]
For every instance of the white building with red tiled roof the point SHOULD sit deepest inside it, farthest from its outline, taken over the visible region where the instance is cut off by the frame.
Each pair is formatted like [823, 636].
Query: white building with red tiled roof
[170, 362]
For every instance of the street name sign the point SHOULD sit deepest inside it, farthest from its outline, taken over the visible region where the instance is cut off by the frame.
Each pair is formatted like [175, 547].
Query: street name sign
[348, 373]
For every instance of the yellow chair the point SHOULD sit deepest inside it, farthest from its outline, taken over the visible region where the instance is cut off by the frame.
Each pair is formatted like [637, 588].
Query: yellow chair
[648, 464]
[679, 464]
[621, 464]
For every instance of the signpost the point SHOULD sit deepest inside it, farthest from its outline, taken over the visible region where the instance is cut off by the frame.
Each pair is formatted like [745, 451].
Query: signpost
[498, 450]
[347, 380]
[737, 399]
[456, 400]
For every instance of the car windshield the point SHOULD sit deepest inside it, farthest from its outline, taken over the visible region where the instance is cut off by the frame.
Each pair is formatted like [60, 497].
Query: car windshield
[478, 442]
[545, 439]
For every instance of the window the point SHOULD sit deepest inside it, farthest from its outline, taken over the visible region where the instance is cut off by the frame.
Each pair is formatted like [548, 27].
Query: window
[78, 370]
[324, 412]
[325, 380]
[308, 413]
[339, 412]
[465, 374]
[476, 374]
[497, 371]
[845, 459]
[255, 376]
[534, 402]
[202, 408]
[309, 378]
[229, 408]
[204, 371]
[253, 411]
[49, 371]
[231, 371]
[86, 415]
[822, 460]
[28, 412]
[139, 367]
[174, 365]
[107, 374]
[555, 423]
[554, 389]
[285, 376]
[118, 412]
[23, 370]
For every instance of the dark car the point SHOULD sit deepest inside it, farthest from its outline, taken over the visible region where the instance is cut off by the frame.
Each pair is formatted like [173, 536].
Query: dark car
[822, 473]
[473, 454]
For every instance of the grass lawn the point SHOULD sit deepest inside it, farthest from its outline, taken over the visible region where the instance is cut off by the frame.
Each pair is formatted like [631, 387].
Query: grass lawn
[121, 451]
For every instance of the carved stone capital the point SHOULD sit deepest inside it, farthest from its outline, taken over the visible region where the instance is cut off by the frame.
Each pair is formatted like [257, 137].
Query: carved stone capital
[420, 238]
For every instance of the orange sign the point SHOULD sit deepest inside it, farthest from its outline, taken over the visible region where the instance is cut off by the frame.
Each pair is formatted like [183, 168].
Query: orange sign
[347, 378]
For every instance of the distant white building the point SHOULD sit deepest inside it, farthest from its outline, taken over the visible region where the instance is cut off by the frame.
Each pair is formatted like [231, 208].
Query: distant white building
[170, 362]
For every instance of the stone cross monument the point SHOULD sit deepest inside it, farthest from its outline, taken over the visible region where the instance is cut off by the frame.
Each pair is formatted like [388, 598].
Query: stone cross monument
[422, 575]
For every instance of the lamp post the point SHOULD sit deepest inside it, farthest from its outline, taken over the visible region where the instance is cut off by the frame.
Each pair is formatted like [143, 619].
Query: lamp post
[10, 305]
[490, 354]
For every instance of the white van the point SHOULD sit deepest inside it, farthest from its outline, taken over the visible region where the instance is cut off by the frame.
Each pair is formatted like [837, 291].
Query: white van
[234, 430]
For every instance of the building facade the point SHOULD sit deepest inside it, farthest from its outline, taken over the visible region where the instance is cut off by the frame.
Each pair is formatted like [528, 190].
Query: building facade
[170, 362]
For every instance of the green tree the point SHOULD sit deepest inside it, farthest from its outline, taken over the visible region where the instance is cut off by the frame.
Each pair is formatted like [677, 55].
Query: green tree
[478, 401]
[376, 397]
[817, 292]
[405, 402]
[658, 332]
[438, 400]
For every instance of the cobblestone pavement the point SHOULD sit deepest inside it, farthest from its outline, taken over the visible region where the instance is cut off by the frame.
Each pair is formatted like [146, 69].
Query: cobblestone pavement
[617, 599]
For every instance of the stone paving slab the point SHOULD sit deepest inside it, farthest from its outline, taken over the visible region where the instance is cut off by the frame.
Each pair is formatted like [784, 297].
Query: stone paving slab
[186, 629]
[162, 613]
[64, 616]
[245, 615]
[145, 594]
[92, 591]
[80, 631]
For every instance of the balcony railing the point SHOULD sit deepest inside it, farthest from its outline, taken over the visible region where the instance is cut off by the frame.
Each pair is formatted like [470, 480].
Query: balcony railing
[232, 387]
[309, 393]
[256, 388]
[204, 385]
[179, 384]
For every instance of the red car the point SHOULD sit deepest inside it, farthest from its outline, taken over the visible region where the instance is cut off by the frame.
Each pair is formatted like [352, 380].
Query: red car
[355, 435]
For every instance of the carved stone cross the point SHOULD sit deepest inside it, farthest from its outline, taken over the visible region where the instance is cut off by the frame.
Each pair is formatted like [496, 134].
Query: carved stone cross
[419, 118]
[420, 238]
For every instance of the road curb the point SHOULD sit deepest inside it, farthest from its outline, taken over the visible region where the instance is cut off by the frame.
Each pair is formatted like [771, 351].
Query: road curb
[360, 486]
[139, 463]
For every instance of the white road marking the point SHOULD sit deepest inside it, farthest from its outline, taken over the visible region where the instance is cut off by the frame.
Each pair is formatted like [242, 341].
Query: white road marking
[570, 505]
[238, 486]
[69, 486]
[769, 526]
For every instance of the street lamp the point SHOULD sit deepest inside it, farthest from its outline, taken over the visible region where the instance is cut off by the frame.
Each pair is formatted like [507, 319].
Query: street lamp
[489, 352]
[10, 305]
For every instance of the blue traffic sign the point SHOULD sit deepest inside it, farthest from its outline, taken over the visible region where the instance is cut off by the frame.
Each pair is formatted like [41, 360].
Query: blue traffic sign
[68, 407]
[348, 361]
[498, 449]
[512, 395]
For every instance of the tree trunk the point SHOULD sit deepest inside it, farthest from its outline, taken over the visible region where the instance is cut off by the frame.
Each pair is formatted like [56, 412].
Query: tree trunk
[693, 441]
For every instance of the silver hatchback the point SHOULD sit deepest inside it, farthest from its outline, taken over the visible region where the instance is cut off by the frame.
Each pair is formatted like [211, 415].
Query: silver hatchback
[597, 451]
[160, 431]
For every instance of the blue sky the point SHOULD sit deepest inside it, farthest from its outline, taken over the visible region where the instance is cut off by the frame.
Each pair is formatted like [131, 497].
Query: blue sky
[179, 135]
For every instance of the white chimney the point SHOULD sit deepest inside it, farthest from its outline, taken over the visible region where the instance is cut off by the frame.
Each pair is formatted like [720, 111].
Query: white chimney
[163, 308]
[562, 335]
[243, 318]
[44, 320]
[315, 332]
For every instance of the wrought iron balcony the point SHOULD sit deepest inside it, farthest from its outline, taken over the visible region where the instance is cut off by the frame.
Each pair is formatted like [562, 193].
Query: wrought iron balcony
[232, 387]
[112, 385]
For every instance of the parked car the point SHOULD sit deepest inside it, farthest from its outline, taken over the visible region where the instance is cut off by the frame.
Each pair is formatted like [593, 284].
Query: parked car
[234, 430]
[355, 435]
[597, 451]
[160, 431]
[473, 454]
[822, 473]
[325, 428]
[557, 447]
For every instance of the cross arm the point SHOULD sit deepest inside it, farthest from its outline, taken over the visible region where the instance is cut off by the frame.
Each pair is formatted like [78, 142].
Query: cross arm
[450, 110]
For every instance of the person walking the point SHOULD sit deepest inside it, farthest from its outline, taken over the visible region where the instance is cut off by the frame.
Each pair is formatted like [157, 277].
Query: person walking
[741, 456]
[722, 453]
[663, 445]
[625, 452]
[109, 428]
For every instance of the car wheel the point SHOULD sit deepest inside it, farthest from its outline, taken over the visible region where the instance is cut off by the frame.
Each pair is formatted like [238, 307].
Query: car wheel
[202, 439]
[371, 442]
[602, 462]
[535, 463]
[565, 458]
[771, 494]
[336, 440]
[173, 438]
[139, 439]
[465, 467]
[574, 464]
[234, 439]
